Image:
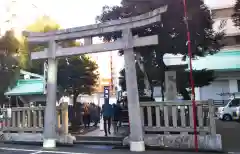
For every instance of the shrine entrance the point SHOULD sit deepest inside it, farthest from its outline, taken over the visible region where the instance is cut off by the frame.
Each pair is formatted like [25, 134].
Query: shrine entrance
[126, 43]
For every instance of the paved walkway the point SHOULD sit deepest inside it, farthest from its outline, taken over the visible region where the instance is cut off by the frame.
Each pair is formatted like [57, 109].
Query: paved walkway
[123, 131]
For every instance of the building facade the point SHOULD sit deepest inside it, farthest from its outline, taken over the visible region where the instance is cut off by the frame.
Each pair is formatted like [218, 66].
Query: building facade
[110, 63]
[226, 63]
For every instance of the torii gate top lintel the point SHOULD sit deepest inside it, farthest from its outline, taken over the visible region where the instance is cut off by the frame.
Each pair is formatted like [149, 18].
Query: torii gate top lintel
[97, 29]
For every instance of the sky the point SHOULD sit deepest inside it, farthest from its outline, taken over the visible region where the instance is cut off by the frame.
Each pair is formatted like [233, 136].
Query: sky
[67, 13]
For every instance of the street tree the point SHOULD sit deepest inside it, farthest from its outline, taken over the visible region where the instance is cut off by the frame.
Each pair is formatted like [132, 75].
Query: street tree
[203, 77]
[76, 75]
[172, 36]
[9, 70]
[236, 14]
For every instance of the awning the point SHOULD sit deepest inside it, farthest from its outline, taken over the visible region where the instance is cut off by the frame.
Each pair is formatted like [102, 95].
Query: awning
[27, 87]
[222, 61]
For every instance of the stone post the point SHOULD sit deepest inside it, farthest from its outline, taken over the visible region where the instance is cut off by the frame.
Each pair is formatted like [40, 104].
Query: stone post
[136, 129]
[170, 85]
[65, 118]
[50, 111]
[58, 112]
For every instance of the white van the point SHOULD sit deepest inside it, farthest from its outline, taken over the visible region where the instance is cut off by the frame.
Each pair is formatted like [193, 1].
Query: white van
[231, 111]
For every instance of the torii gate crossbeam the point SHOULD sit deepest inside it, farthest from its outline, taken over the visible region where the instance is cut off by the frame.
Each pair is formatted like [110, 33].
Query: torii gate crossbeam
[126, 43]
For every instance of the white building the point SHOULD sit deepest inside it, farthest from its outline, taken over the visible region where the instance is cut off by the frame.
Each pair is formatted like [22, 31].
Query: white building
[226, 63]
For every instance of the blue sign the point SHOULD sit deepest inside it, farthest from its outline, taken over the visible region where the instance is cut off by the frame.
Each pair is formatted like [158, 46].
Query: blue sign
[106, 94]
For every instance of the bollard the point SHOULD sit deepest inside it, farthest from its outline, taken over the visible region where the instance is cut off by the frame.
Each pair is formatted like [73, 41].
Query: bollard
[65, 117]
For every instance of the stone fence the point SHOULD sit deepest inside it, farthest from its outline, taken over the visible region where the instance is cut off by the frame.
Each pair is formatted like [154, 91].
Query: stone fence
[177, 117]
[171, 125]
[27, 124]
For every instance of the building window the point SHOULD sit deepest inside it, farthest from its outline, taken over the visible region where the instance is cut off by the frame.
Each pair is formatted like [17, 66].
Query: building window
[238, 84]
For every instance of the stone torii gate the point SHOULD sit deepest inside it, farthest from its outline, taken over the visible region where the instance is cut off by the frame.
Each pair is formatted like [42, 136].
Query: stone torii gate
[126, 43]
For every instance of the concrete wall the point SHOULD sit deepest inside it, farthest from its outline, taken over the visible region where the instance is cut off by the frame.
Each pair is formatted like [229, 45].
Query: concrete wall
[205, 142]
[214, 90]
[213, 4]
[222, 13]
[226, 82]
[233, 85]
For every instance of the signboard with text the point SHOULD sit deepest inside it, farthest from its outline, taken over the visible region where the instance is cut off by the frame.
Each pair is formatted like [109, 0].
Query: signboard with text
[106, 94]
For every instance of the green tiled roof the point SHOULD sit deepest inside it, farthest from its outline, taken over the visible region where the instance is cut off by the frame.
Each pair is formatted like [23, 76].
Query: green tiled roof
[27, 87]
[224, 60]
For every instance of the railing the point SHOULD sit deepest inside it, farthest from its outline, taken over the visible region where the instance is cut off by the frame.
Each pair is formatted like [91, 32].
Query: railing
[31, 119]
[219, 103]
[177, 117]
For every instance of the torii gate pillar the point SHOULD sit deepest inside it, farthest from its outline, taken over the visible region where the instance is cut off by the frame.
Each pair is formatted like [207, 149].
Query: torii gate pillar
[50, 116]
[135, 123]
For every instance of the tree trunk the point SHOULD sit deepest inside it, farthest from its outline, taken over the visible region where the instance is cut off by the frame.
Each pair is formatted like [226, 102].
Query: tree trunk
[147, 89]
[185, 94]
[162, 90]
[162, 72]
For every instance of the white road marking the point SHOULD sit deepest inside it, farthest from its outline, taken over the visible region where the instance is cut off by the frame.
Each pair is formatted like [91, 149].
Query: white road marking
[14, 149]
[39, 152]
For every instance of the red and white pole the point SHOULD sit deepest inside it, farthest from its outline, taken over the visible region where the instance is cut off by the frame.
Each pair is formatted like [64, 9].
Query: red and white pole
[191, 77]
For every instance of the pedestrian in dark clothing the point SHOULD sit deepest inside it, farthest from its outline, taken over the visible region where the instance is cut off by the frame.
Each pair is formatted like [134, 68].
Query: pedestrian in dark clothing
[86, 116]
[94, 115]
[116, 117]
[107, 114]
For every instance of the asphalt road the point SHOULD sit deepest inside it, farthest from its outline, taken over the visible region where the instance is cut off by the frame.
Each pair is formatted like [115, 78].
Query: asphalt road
[230, 132]
[21, 149]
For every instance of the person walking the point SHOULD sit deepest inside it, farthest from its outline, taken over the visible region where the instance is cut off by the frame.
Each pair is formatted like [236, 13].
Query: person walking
[116, 117]
[107, 114]
[94, 115]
